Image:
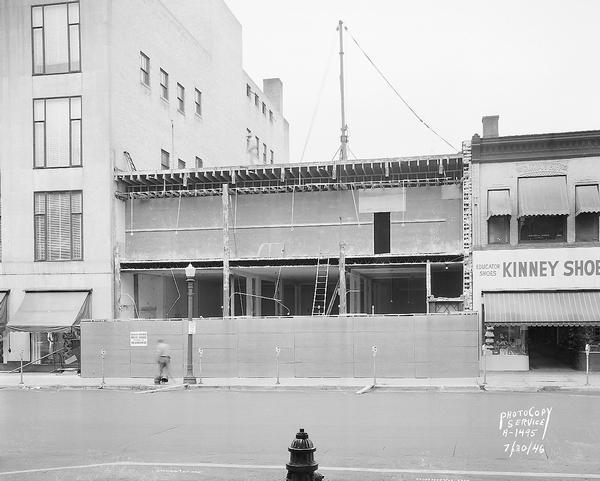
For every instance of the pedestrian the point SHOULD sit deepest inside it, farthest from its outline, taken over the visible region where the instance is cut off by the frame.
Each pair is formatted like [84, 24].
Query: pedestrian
[164, 360]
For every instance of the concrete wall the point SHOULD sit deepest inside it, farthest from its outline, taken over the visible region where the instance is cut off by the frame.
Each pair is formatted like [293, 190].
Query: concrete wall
[265, 225]
[505, 175]
[408, 346]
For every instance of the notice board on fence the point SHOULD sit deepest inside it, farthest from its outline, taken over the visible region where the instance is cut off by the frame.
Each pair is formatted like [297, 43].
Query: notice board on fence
[138, 338]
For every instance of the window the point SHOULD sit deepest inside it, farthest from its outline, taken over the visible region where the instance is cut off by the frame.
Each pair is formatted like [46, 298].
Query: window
[57, 132]
[180, 164]
[180, 98]
[264, 153]
[164, 84]
[272, 157]
[543, 228]
[264, 109]
[499, 229]
[587, 209]
[55, 38]
[144, 69]
[257, 146]
[381, 232]
[199, 163]
[58, 226]
[248, 91]
[165, 162]
[198, 102]
[271, 115]
[586, 227]
[256, 100]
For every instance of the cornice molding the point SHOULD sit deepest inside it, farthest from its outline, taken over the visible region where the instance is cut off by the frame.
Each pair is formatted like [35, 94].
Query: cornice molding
[536, 147]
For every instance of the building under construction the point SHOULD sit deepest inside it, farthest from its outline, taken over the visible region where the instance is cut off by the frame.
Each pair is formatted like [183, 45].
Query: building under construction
[383, 236]
[316, 265]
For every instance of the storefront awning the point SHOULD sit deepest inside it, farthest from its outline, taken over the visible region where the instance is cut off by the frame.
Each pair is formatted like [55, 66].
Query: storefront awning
[3, 299]
[548, 308]
[543, 196]
[587, 199]
[498, 203]
[50, 311]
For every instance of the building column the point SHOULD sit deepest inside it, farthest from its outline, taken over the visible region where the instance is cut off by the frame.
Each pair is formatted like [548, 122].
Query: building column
[225, 196]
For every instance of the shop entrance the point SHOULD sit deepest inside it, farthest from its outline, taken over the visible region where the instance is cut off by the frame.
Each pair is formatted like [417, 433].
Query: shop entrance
[547, 348]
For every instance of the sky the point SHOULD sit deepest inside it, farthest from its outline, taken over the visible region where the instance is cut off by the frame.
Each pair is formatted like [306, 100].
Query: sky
[535, 63]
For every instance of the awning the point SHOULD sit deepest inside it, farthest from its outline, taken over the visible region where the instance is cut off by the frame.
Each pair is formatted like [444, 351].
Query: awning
[546, 308]
[50, 311]
[3, 300]
[498, 203]
[587, 199]
[543, 196]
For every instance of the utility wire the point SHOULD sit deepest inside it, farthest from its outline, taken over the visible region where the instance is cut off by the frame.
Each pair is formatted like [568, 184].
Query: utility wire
[314, 115]
[396, 92]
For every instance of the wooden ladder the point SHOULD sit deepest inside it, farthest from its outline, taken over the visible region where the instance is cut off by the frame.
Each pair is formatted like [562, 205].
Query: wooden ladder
[320, 294]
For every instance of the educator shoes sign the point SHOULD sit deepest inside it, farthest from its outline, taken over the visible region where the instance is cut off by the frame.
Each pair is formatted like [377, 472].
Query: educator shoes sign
[529, 269]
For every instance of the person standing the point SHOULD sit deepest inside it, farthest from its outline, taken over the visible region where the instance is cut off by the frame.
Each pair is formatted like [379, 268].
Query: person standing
[164, 361]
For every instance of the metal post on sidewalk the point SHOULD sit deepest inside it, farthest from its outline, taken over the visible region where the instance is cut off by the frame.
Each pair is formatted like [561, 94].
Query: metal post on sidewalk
[374, 350]
[277, 351]
[200, 352]
[484, 355]
[587, 364]
[102, 354]
[21, 382]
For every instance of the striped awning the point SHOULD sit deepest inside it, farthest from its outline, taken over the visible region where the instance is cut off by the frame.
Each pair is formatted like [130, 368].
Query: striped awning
[543, 196]
[587, 199]
[3, 318]
[50, 311]
[542, 308]
[498, 203]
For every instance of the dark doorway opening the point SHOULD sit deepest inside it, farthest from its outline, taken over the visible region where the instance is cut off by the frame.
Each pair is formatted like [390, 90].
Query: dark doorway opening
[545, 351]
[381, 232]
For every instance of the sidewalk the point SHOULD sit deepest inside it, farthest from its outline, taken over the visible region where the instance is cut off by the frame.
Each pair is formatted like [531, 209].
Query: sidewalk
[532, 381]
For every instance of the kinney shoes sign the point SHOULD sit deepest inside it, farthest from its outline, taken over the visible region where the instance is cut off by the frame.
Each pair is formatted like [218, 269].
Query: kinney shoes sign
[564, 268]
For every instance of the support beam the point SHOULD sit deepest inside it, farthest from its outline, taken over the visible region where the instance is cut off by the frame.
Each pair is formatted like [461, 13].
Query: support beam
[225, 195]
[342, 283]
[427, 284]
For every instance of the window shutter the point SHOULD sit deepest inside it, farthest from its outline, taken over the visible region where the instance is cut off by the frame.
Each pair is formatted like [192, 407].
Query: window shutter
[53, 227]
[77, 241]
[39, 212]
[56, 38]
[65, 225]
[40, 237]
[57, 132]
[76, 225]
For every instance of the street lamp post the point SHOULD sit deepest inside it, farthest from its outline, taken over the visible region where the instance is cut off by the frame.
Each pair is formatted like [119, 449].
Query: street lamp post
[190, 272]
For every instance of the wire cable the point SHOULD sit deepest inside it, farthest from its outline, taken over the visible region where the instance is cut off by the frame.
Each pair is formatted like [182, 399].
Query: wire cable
[397, 93]
[314, 115]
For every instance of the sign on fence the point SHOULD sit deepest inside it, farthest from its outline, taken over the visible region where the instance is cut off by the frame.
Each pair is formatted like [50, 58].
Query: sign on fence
[138, 338]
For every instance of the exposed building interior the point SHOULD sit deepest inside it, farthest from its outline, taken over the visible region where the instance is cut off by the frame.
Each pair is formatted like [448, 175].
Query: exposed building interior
[294, 290]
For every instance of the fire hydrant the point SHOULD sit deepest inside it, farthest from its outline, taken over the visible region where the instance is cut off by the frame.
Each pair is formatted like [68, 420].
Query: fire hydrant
[302, 465]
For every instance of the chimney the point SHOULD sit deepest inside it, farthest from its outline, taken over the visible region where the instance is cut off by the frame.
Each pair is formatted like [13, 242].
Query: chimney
[490, 125]
[273, 88]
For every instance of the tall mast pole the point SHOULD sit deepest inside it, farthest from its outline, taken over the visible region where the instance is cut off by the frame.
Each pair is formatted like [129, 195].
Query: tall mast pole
[344, 136]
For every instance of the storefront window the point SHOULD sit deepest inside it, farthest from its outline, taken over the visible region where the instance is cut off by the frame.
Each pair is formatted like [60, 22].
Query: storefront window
[543, 228]
[507, 340]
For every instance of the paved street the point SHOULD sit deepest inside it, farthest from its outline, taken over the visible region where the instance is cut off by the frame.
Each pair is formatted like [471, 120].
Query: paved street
[181, 435]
